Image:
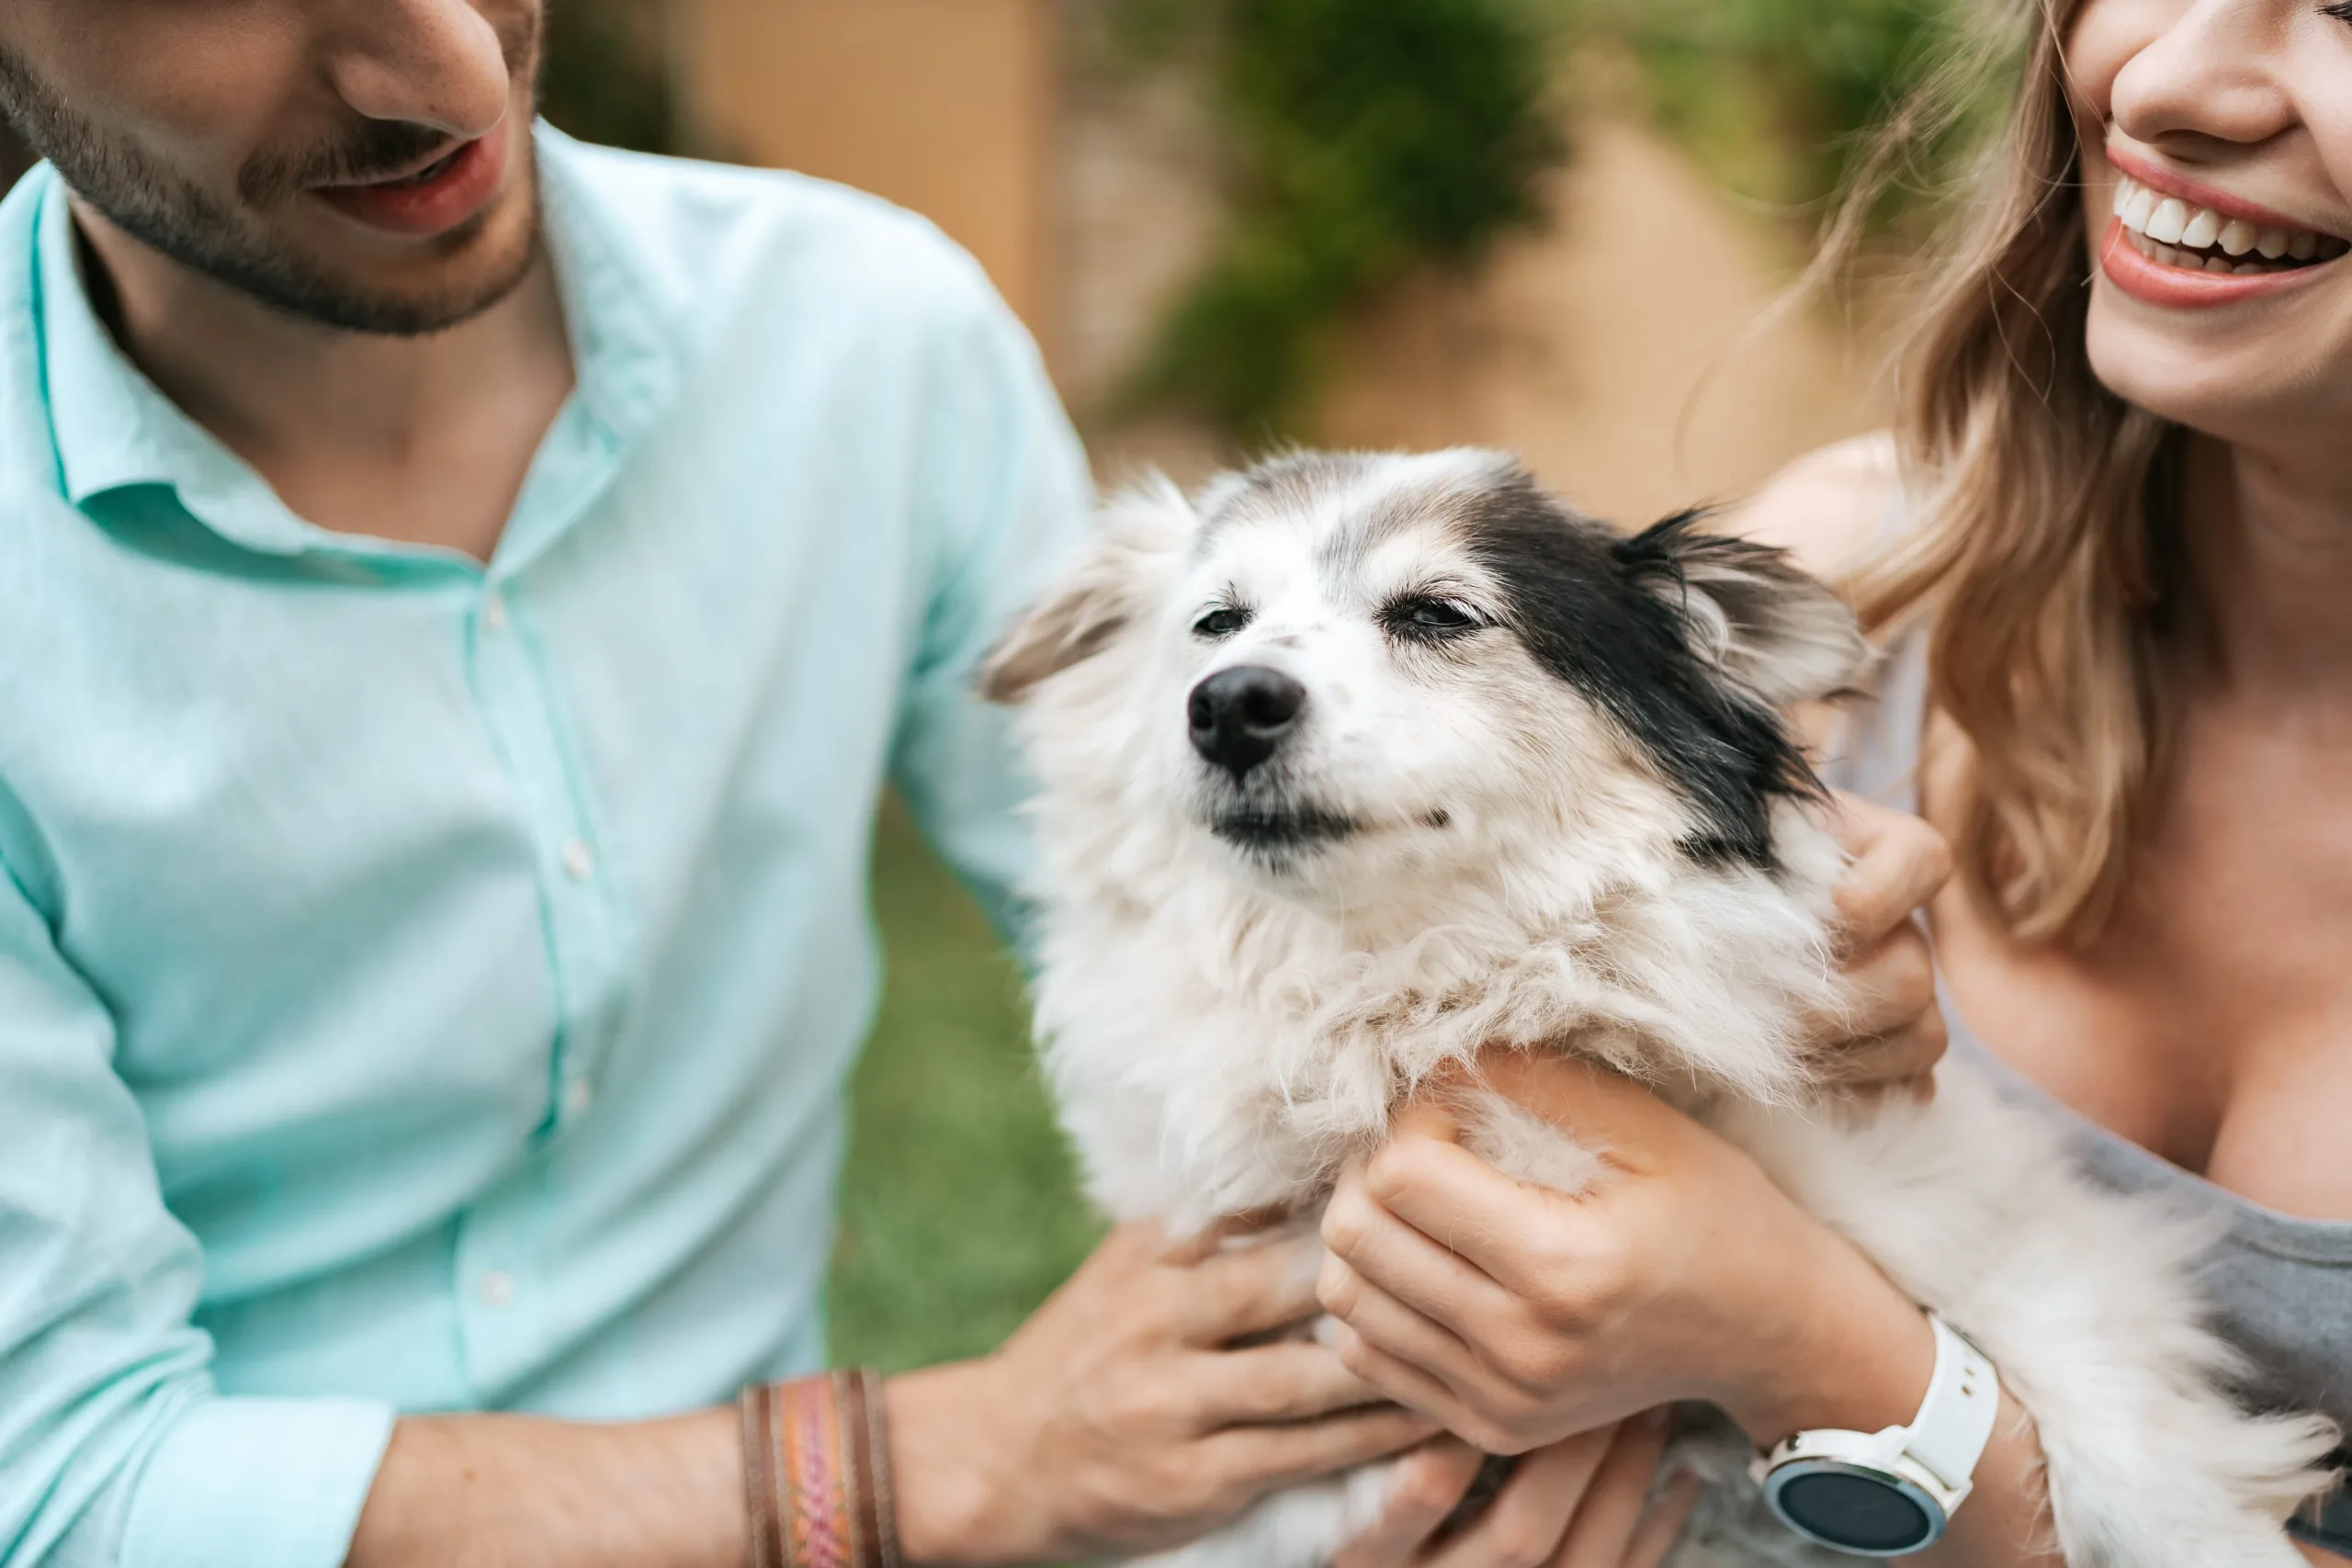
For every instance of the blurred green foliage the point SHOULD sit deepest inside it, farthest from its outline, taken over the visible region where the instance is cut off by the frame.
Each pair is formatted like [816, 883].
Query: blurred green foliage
[1369, 137]
[960, 1210]
[1366, 137]
[1782, 100]
[605, 77]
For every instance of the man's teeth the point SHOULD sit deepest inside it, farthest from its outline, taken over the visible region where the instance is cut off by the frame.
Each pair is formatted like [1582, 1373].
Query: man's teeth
[2175, 233]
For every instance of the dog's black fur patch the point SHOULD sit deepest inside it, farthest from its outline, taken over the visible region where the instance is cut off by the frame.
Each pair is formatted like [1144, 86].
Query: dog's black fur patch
[1603, 613]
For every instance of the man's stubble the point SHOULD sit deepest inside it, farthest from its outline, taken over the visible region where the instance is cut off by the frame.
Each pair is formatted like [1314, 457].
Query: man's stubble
[208, 236]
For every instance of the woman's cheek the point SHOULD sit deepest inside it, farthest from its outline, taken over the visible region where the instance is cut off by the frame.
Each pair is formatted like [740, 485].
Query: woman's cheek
[2104, 36]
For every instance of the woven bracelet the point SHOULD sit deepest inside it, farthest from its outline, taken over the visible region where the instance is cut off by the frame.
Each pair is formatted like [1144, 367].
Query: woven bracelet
[817, 1473]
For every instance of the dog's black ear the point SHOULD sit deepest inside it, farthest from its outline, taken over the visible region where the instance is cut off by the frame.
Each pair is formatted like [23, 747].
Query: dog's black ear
[1104, 591]
[1752, 612]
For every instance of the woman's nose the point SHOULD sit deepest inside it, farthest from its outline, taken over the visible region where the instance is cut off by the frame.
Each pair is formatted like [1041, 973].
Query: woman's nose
[2210, 73]
[439, 63]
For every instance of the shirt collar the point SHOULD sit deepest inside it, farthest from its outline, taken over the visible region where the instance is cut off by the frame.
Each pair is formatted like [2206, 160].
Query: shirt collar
[114, 429]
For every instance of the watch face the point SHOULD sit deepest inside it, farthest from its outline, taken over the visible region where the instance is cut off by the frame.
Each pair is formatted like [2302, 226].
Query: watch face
[1860, 1510]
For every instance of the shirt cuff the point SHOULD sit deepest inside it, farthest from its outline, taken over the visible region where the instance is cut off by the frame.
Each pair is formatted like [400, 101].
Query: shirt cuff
[256, 1483]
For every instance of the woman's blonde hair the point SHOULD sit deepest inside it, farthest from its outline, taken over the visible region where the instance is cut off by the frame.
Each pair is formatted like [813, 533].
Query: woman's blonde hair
[2032, 544]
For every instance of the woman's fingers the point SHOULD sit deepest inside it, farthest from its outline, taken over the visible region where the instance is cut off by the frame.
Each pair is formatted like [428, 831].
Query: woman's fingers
[1429, 1486]
[1904, 1060]
[1610, 1515]
[1899, 864]
[1408, 1384]
[1890, 985]
[1663, 1521]
[1389, 1322]
[1533, 1516]
[1888, 1030]
[1387, 1225]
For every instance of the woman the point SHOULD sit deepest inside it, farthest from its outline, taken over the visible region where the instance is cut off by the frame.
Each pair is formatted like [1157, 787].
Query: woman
[2109, 548]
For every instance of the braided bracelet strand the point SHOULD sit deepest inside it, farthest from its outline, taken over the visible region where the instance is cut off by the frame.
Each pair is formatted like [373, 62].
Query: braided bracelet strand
[817, 1473]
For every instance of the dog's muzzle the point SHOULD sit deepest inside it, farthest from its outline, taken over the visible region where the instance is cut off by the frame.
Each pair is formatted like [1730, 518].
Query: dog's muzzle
[1241, 716]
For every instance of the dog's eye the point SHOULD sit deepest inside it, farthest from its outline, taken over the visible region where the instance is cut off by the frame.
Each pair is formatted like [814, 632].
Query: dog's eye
[1426, 617]
[1222, 621]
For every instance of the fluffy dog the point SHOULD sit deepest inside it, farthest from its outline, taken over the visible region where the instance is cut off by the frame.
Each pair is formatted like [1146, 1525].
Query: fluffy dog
[1353, 765]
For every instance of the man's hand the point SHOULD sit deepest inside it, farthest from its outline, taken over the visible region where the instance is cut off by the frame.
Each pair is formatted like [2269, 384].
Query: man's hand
[1578, 1504]
[1890, 1034]
[1121, 1418]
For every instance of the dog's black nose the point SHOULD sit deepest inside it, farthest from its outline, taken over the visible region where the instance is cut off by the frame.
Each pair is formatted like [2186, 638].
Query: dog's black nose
[1241, 715]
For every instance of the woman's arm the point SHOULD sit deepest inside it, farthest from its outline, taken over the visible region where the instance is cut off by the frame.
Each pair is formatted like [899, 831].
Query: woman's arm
[1687, 1275]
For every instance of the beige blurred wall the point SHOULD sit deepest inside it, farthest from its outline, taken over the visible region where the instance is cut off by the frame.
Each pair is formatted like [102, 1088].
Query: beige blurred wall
[1639, 352]
[1618, 349]
[942, 106]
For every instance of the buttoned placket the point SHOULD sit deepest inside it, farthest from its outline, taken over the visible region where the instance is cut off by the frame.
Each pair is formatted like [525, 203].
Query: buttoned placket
[627, 373]
[518, 687]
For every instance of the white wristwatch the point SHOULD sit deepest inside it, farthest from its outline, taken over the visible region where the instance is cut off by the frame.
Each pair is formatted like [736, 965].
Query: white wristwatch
[1885, 1493]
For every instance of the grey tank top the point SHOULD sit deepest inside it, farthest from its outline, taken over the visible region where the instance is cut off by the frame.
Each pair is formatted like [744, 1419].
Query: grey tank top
[2281, 1286]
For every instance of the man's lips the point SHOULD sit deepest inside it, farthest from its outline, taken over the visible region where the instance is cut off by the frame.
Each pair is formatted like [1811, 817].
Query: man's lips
[454, 187]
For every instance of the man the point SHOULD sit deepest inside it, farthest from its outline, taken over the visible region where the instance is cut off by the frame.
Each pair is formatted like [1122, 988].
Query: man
[463, 593]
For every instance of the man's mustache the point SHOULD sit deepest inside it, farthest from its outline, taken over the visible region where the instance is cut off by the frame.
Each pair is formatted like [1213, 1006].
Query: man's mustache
[372, 151]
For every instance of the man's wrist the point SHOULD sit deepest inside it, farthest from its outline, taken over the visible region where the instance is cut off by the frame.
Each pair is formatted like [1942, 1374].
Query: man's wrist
[948, 1450]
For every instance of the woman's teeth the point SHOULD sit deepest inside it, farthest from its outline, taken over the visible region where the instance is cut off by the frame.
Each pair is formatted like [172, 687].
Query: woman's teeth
[2198, 238]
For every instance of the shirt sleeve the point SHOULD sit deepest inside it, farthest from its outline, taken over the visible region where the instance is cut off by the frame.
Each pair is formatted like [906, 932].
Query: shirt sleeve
[114, 1446]
[1008, 498]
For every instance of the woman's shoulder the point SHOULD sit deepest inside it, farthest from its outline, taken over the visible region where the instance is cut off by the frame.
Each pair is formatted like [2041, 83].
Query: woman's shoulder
[1827, 507]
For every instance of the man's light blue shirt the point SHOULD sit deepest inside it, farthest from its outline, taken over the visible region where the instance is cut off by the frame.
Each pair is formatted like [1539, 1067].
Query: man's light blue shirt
[430, 987]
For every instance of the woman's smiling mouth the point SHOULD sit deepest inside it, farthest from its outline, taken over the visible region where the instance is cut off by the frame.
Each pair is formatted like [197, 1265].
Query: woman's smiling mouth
[2175, 233]
[2175, 242]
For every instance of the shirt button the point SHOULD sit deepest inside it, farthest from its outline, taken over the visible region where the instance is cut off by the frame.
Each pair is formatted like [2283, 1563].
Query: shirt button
[578, 1096]
[497, 1288]
[579, 861]
[493, 613]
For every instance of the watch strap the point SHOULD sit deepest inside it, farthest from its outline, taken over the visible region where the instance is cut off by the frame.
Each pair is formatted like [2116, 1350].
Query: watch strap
[1955, 1420]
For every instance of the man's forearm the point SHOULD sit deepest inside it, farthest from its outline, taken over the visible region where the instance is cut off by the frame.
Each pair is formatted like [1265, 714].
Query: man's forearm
[519, 1492]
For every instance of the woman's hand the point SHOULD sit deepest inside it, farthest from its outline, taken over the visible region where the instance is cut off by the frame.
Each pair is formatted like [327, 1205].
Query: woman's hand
[1581, 1503]
[1890, 1034]
[1517, 1316]
[1120, 1418]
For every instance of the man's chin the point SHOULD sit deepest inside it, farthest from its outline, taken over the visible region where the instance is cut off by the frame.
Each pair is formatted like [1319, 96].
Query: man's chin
[310, 266]
[357, 282]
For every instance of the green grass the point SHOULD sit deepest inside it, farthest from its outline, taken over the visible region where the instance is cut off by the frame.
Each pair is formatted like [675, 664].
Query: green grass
[960, 1210]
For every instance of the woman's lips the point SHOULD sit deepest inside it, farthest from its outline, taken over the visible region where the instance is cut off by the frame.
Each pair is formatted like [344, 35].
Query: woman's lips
[460, 188]
[2145, 278]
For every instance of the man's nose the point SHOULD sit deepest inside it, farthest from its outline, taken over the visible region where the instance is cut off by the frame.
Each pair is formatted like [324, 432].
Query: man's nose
[434, 62]
[1241, 716]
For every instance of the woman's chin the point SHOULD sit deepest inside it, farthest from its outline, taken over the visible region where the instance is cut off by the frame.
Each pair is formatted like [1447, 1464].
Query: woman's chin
[2235, 384]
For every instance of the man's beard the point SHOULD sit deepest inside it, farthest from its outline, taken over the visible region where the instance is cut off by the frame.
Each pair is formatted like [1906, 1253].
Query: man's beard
[207, 235]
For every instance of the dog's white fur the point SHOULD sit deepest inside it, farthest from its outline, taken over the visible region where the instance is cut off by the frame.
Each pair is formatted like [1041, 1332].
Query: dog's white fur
[1223, 1027]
